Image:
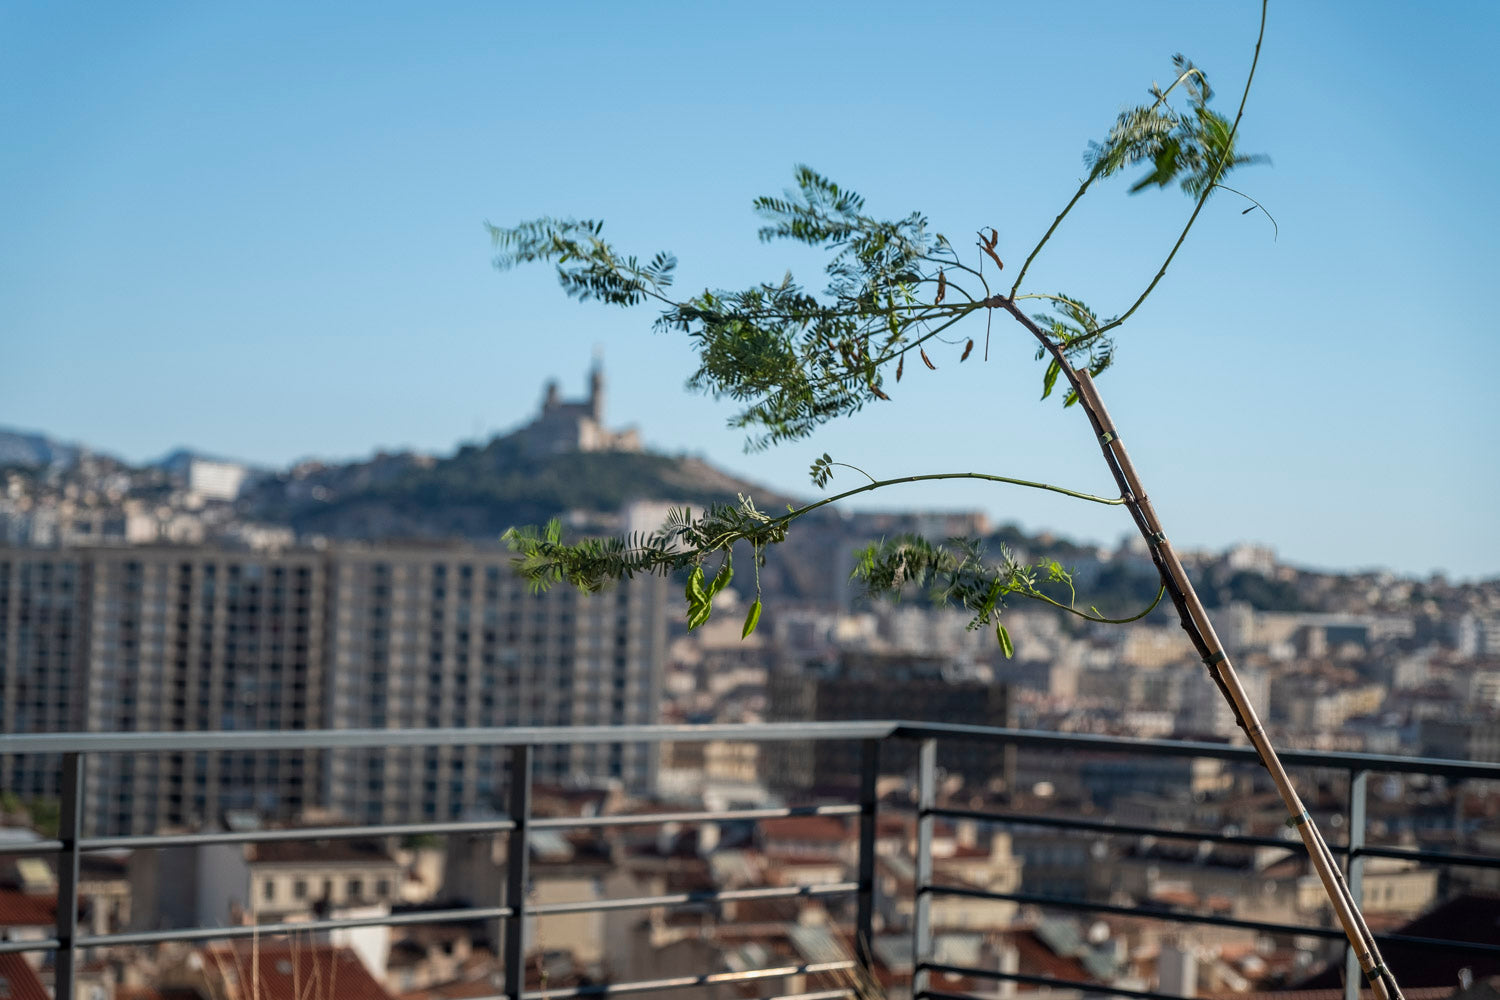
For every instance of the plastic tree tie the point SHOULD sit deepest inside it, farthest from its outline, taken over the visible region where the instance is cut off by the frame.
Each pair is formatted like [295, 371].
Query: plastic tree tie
[1214, 659]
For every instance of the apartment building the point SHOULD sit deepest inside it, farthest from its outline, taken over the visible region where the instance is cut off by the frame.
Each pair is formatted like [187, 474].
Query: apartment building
[451, 637]
[143, 639]
[870, 685]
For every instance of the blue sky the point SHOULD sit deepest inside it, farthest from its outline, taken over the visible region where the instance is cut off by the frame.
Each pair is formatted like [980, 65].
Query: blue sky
[258, 230]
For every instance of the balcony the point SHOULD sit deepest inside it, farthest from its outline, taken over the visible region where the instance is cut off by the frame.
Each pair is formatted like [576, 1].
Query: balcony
[888, 912]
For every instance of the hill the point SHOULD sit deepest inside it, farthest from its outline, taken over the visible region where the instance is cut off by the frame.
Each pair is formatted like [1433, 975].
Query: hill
[480, 491]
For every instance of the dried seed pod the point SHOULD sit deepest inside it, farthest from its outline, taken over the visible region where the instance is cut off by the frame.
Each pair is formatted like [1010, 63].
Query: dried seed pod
[900, 367]
[879, 395]
[942, 287]
[925, 359]
[967, 348]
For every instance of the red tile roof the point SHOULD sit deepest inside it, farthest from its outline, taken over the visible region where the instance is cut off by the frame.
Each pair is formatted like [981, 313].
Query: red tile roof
[22, 909]
[292, 971]
[20, 979]
[821, 829]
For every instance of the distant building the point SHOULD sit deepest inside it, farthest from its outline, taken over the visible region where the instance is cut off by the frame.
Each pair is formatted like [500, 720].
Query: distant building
[862, 685]
[1462, 739]
[215, 480]
[452, 637]
[159, 639]
[563, 427]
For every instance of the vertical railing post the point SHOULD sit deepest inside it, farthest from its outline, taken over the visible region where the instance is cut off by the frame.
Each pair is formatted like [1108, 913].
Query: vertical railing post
[1354, 873]
[921, 922]
[70, 832]
[864, 922]
[517, 872]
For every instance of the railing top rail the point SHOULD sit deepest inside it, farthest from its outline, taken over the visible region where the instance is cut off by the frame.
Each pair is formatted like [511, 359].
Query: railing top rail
[1342, 760]
[497, 736]
[316, 739]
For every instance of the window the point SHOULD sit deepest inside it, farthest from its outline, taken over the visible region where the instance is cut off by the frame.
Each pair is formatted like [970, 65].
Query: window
[268, 891]
[382, 888]
[356, 889]
[299, 889]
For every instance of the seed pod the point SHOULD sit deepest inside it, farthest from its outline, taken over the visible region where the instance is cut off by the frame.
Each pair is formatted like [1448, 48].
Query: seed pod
[967, 348]
[900, 367]
[989, 250]
[942, 287]
[925, 359]
[751, 620]
[878, 394]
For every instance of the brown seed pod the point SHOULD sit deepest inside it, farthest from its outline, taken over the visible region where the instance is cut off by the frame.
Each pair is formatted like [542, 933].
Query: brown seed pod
[942, 287]
[925, 359]
[876, 390]
[967, 348]
[998, 262]
[900, 367]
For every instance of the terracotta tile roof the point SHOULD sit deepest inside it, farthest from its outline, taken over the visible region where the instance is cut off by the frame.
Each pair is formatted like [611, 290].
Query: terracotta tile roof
[822, 829]
[157, 993]
[322, 852]
[22, 909]
[20, 979]
[292, 971]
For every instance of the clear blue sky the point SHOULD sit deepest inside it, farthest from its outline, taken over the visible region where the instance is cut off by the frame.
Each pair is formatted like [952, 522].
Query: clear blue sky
[257, 230]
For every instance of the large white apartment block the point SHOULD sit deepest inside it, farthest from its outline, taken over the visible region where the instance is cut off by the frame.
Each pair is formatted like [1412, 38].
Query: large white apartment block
[169, 639]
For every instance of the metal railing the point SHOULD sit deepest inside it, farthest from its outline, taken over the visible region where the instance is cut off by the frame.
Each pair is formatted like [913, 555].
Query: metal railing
[521, 743]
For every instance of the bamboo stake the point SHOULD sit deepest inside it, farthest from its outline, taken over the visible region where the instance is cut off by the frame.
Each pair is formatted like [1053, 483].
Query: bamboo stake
[1196, 623]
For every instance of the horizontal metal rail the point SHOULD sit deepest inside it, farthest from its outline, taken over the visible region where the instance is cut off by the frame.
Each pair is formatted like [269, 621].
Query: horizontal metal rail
[1089, 743]
[1046, 981]
[772, 732]
[1031, 899]
[293, 834]
[33, 944]
[685, 898]
[464, 914]
[1437, 857]
[724, 816]
[1119, 829]
[498, 825]
[1177, 916]
[494, 736]
[31, 847]
[844, 994]
[686, 982]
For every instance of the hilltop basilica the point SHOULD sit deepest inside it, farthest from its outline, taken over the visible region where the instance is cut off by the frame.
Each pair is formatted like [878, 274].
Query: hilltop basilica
[564, 426]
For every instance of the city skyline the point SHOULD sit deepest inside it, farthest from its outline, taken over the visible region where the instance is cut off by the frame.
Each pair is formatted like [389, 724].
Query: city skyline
[260, 234]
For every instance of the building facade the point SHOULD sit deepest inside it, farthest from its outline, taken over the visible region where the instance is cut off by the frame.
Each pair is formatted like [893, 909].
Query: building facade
[864, 685]
[166, 639]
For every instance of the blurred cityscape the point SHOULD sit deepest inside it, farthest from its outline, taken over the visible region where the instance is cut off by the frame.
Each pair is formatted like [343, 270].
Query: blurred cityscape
[197, 594]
